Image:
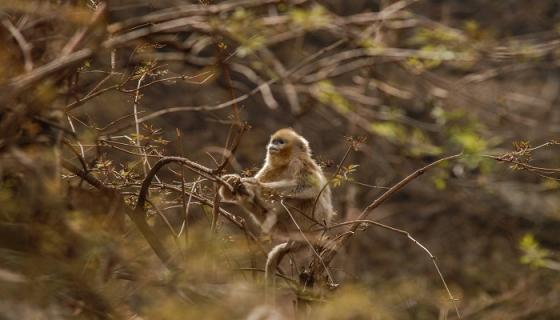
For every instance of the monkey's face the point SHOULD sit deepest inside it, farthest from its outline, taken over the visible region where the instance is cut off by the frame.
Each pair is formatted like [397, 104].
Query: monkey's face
[285, 142]
[277, 145]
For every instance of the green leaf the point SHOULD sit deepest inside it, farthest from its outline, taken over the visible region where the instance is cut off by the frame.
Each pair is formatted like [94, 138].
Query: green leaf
[325, 92]
[533, 254]
[389, 130]
[309, 19]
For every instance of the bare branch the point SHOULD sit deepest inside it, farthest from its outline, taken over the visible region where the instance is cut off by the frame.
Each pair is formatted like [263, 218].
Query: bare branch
[23, 44]
[137, 217]
[315, 268]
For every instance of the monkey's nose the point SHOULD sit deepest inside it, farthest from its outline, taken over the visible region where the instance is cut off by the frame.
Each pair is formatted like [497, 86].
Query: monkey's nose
[273, 148]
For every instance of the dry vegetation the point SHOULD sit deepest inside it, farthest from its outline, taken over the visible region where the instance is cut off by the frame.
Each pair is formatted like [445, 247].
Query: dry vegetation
[437, 123]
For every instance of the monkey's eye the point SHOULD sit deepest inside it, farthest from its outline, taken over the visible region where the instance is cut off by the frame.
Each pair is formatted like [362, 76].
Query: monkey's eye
[278, 141]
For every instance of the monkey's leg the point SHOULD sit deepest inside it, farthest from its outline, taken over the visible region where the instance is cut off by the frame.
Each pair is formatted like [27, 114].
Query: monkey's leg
[252, 223]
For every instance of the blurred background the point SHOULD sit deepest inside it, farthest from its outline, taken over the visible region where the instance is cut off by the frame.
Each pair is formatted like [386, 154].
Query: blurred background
[104, 89]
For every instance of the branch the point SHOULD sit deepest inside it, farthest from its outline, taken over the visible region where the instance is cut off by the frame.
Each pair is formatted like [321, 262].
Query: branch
[215, 209]
[138, 219]
[316, 266]
[84, 31]
[338, 168]
[228, 154]
[524, 165]
[23, 44]
[193, 166]
[245, 96]
[416, 242]
[317, 255]
[20, 83]
[240, 223]
[394, 189]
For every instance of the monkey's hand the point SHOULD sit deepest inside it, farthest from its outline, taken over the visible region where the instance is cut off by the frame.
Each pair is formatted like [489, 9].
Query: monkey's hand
[226, 194]
[242, 187]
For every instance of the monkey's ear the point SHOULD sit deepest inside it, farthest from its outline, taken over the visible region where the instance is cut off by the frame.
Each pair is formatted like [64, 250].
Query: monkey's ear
[304, 145]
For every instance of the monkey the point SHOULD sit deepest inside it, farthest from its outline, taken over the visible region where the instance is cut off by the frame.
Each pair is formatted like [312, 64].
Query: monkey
[288, 173]
[287, 196]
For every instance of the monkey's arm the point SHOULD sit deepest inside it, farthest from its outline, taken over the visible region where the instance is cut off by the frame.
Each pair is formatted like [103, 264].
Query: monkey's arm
[302, 188]
[244, 195]
[243, 189]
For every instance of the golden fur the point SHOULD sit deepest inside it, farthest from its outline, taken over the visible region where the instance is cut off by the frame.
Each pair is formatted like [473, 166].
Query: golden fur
[289, 189]
[288, 173]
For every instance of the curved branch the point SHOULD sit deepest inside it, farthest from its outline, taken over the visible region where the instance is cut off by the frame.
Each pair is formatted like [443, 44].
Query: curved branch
[397, 187]
[191, 165]
[316, 266]
[416, 242]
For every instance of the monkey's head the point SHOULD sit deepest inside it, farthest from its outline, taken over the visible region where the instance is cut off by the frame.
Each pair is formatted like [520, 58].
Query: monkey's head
[285, 144]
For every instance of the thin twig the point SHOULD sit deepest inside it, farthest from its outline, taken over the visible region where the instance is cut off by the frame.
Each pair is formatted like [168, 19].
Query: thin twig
[228, 154]
[329, 275]
[137, 216]
[183, 193]
[137, 125]
[409, 236]
[215, 209]
[25, 81]
[338, 168]
[245, 96]
[229, 216]
[401, 184]
[164, 218]
[23, 44]
[523, 165]
[329, 253]
[84, 31]
[193, 166]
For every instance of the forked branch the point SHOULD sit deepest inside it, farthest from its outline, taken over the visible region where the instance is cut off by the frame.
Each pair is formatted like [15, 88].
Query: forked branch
[317, 265]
